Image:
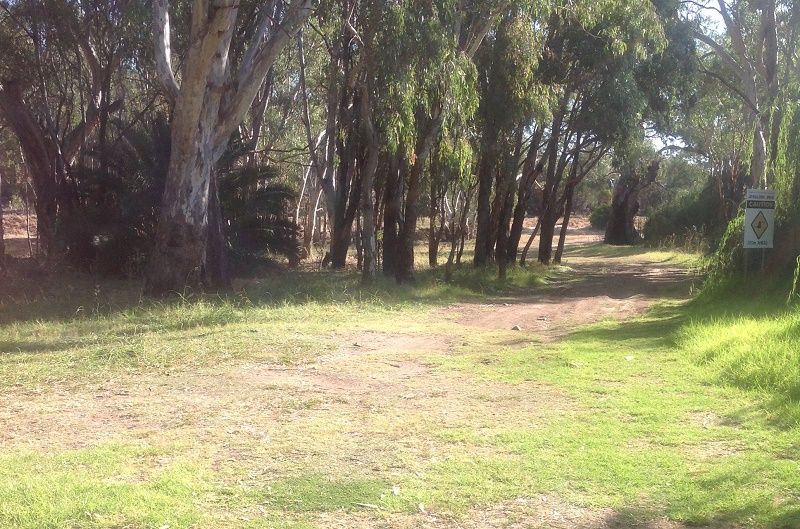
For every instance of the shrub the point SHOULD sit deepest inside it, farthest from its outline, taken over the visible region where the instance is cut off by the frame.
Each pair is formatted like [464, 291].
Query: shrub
[599, 217]
[689, 221]
[119, 190]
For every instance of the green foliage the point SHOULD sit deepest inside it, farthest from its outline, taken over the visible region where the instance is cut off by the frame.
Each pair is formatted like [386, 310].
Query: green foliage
[599, 217]
[690, 220]
[257, 213]
[119, 187]
[510, 89]
[727, 259]
[787, 177]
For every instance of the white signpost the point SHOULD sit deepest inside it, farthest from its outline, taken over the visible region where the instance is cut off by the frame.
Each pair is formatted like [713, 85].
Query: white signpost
[759, 220]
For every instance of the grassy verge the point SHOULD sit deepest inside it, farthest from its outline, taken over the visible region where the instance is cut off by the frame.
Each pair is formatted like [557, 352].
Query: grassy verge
[641, 253]
[79, 328]
[689, 413]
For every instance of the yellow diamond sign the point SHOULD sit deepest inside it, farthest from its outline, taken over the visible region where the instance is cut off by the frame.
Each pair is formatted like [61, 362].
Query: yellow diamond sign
[760, 225]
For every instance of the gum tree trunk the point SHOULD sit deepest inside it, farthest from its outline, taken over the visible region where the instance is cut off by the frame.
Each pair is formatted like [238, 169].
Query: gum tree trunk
[2, 231]
[555, 165]
[368, 236]
[530, 173]
[562, 237]
[208, 106]
[621, 228]
[392, 215]
[488, 160]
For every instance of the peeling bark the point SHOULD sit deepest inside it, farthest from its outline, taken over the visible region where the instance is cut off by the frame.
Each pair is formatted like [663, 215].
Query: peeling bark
[208, 106]
[368, 236]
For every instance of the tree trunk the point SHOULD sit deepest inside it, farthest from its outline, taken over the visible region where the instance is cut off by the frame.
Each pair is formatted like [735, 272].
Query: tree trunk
[463, 226]
[392, 211]
[502, 249]
[183, 229]
[546, 233]
[349, 195]
[570, 192]
[208, 107]
[368, 235]
[2, 231]
[530, 241]
[216, 273]
[759, 160]
[621, 227]
[483, 250]
[530, 174]
[551, 212]
[39, 157]
[555, 164]
[405, 271]
[433, 233]
[506, 191]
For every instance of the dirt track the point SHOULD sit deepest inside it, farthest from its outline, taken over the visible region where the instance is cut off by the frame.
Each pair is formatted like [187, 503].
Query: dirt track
[595, 288]
[249, 414]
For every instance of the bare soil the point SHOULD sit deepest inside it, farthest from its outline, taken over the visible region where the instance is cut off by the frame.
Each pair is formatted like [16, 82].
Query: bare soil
[598, 289]
[15, 227]
[364, 409]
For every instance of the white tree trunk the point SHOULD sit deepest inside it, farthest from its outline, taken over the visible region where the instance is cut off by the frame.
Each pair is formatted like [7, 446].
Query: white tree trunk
[208, 106]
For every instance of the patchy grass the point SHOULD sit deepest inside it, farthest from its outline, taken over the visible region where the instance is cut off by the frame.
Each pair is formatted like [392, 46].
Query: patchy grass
[691, 411]
[53, 335]
[111, 485]
[260, 411]
[639, 253]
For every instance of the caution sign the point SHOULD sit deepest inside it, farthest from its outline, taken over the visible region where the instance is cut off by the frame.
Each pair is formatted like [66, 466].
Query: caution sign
[759, 220]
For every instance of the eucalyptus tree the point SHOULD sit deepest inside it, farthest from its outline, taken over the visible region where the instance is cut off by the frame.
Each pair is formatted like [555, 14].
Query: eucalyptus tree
[592, 58]
[442, 38]
[59, 82]
[617, 74]
[638, 167]
[511, 97]
[717, 137]
[210, 97]
[752, 56]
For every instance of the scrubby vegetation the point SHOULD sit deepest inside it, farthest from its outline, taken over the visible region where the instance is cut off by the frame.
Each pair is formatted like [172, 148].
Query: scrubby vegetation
[268, 264]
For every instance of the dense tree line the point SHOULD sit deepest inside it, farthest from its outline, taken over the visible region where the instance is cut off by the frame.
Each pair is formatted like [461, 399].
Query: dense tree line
[180, 139]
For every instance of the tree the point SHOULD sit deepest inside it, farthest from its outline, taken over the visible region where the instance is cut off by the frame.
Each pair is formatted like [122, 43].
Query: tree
[510, 98]
[754, 65]
[210, 102]
[451, 36]
[56, 90]
[636, 173]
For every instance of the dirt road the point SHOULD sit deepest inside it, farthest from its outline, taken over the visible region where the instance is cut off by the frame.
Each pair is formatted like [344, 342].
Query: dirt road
[369, 408]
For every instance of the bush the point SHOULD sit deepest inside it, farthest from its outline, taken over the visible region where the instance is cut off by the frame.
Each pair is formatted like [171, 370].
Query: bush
[689, 221]
[599, 217]
[119, 188]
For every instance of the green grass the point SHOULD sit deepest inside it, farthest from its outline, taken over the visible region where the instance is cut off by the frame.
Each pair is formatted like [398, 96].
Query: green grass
[690, 413]
[105, 486]
[49, 335]
[640, 252]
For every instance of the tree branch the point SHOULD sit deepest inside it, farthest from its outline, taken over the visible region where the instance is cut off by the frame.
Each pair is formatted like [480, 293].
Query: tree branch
[250, 79]
[161, 36]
